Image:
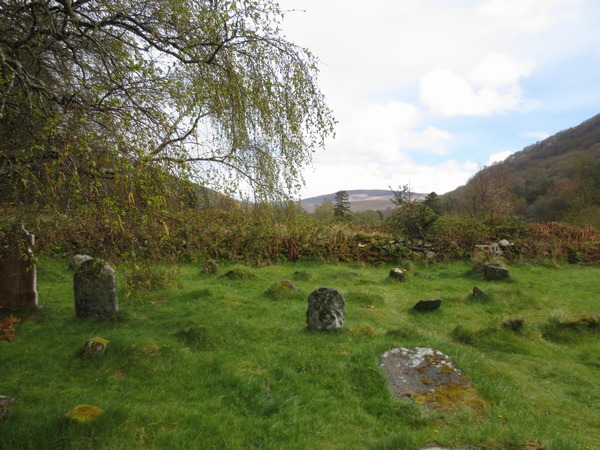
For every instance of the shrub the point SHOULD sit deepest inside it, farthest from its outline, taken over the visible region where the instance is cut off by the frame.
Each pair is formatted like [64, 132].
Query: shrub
[7, 331]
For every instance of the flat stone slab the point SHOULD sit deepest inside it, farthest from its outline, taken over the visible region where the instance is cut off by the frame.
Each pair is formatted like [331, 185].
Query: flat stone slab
[428, 377]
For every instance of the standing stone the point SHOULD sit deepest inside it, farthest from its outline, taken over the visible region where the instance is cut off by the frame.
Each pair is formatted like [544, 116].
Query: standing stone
[7, 404]
[326, 310]
[95, 290]
[492, 273]
[18, 275]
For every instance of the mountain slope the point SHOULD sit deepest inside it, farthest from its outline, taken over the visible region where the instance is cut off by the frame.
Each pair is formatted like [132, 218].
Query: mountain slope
[360, 200]
[546, 180]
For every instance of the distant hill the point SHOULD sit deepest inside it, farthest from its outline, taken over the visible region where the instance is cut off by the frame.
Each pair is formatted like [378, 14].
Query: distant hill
[549, 180]
[360, 200]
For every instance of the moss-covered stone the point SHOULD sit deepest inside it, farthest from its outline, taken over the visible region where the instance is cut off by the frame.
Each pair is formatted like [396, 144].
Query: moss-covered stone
[83, 413]
[429, 378]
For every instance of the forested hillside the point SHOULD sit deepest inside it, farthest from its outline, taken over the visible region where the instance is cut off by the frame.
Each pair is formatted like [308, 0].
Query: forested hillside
[555, 179]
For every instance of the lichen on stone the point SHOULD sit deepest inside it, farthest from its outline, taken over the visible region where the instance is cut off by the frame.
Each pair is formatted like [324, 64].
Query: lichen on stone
[429, 377]
[83, 413]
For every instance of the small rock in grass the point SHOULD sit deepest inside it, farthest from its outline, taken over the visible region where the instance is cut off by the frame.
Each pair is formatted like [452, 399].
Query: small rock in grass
[398, 274]
[492, 273]
[282, 289]
[94, 347]
[428, 305]
[478, 293]
[514, 323]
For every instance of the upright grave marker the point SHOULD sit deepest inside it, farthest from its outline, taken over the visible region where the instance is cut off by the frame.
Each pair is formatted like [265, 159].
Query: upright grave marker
[18, 276]
[326, 310]
[95, 290]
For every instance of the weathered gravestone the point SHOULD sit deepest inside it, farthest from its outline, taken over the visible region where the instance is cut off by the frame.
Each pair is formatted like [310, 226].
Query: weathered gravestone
[326, 310]
[18, 284]
[428, 377]
[493, 273]
[95, 290]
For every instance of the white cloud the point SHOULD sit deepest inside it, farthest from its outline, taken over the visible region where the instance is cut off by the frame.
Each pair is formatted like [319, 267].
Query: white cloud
[490, 87]
[537, 135]
[529, 16]
[496, 70]
[384, 133]
[500, 156]
[346, 175]
[400, 75]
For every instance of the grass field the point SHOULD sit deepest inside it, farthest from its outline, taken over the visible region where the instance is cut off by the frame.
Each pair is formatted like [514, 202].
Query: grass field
[225, 362]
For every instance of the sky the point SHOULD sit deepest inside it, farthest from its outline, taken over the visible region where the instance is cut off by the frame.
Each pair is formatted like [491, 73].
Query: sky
[428, 92]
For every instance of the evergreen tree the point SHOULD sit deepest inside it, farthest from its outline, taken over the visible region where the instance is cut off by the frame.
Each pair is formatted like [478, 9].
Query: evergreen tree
[342, 204]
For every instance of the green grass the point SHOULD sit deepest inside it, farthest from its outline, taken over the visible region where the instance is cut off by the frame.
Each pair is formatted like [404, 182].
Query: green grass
[226, 362]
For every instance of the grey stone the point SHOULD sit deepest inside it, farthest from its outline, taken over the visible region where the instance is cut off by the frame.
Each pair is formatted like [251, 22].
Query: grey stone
[398, 274]
[419, 371]
[503, 243]
[428, 305]
[492, 273]
[326, 310]
[95, 289]
[7, 404]
[435, 447]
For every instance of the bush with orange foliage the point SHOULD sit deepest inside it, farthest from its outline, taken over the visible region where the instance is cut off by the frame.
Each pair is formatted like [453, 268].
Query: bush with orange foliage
[7, 332]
